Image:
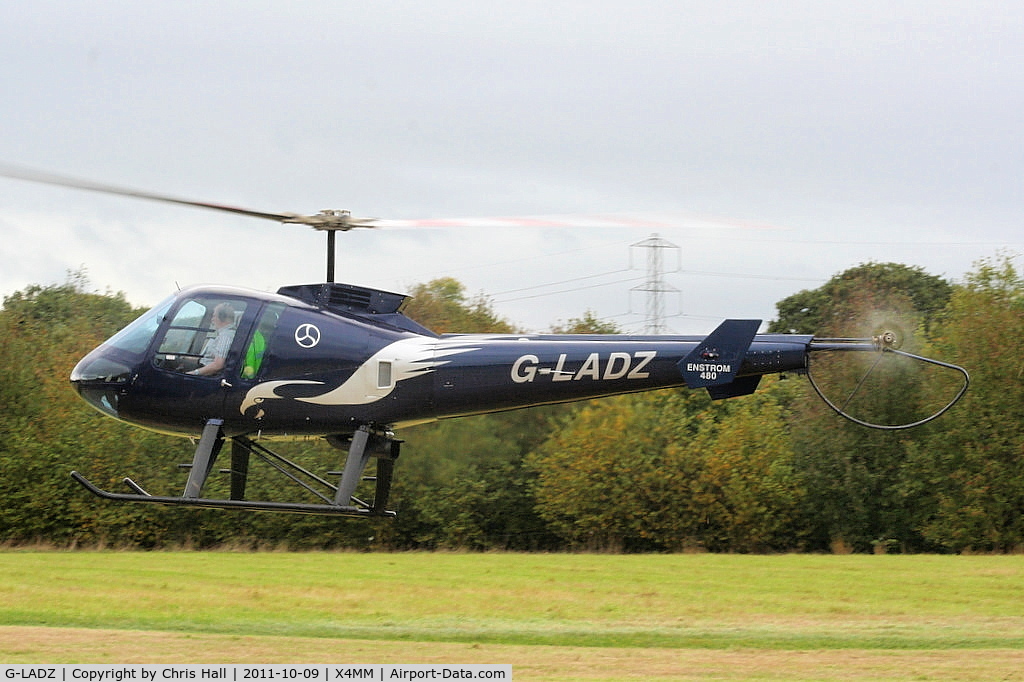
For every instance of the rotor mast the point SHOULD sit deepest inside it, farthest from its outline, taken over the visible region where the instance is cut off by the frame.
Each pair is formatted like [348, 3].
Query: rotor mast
[331, 244]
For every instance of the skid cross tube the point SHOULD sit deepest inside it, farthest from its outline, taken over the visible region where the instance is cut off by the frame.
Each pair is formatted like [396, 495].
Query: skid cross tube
[206, 453]
[338, 501]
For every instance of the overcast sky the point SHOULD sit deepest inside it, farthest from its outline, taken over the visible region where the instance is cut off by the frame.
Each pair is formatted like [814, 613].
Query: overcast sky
[776, 144]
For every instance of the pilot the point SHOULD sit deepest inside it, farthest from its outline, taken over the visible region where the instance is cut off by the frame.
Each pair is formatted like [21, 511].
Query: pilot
[215, 352]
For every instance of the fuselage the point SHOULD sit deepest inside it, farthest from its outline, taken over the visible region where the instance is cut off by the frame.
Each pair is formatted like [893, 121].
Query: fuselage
[326, 359]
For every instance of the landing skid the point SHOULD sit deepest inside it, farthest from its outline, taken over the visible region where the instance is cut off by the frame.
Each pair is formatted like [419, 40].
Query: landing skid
[338, 500]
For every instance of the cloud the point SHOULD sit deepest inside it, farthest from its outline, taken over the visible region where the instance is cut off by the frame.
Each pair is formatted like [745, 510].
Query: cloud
[871, 131]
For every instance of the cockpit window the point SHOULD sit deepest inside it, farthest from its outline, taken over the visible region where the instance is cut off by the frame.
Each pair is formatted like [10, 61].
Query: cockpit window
[255, 350]
[135, 337]
[200, 335]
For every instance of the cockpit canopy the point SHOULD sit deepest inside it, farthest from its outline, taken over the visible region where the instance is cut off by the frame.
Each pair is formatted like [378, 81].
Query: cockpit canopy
[179, 359]
[178, 336]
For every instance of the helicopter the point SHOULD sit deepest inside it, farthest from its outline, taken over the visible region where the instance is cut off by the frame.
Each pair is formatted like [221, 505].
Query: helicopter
[343, 363]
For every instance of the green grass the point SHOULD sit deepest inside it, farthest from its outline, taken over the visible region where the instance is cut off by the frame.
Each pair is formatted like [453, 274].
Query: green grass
[791, 602]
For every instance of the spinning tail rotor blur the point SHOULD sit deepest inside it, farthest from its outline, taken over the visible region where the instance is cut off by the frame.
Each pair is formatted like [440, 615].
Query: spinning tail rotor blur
[876, 393]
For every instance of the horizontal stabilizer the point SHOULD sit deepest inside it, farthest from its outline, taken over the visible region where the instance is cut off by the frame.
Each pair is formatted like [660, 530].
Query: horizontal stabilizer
[716, 360]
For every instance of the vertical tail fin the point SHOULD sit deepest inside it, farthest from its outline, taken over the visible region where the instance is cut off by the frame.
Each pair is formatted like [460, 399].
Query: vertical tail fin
[716, 360]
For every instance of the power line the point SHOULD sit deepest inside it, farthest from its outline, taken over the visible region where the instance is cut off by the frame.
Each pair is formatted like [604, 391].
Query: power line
[699, 273]
[740, 275]
[560, 282]
[526, 259]
[567, 291]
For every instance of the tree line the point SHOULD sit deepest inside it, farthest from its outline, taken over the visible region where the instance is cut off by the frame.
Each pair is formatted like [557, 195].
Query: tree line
[662, 471]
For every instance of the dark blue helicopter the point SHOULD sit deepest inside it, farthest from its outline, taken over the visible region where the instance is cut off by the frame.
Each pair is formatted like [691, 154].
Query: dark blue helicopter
[344, 363]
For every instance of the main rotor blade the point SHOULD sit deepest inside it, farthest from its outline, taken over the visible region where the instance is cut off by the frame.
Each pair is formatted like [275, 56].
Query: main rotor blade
[332, 220]
[645, 220]
[327, 220]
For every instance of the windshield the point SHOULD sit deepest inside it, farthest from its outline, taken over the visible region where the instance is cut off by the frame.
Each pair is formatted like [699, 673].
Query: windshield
[135, 337]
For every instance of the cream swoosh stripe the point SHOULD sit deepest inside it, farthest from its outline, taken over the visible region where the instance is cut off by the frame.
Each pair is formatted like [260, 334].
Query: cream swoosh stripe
[409, 358]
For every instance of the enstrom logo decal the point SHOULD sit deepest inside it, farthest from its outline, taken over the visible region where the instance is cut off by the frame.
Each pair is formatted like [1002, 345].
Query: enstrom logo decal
[307, 335]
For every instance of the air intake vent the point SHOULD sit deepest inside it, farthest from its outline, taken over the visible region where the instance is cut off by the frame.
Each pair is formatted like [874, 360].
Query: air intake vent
[345, 298]
[340, 295]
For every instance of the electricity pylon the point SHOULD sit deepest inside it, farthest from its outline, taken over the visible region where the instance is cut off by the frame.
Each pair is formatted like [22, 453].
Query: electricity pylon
[656, 287]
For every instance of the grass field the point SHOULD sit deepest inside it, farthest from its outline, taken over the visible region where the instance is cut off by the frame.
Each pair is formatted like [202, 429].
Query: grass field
[553, 616]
